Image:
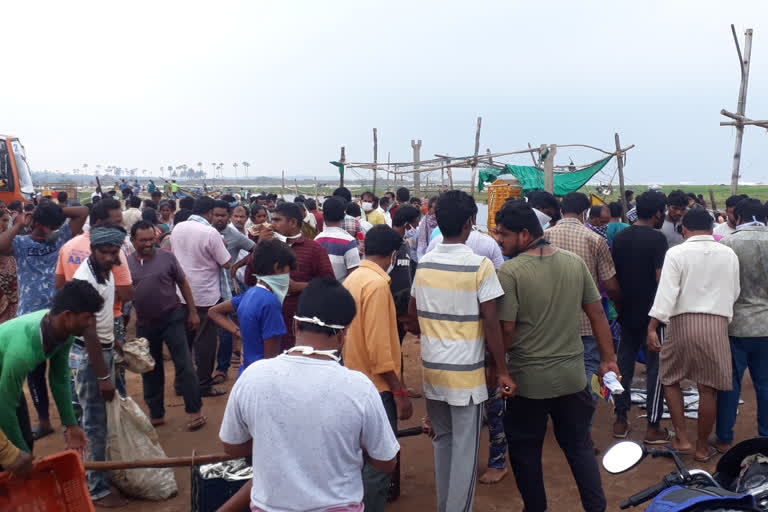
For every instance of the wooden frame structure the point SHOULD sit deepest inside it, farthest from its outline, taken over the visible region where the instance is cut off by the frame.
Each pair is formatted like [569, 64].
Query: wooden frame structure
[446, 163]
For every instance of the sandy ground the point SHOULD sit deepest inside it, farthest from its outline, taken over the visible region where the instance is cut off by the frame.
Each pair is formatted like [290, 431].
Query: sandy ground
[418, 486]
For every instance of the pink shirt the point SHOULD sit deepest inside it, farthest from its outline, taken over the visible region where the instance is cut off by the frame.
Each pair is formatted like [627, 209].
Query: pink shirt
[201, 253]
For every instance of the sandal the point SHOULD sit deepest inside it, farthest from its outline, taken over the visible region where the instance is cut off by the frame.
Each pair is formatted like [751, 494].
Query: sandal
[197, 423]
[711, 452]
[212, 391]
[156, 422]
[38, 432]
[627, 430]
[218, 378]
[670, 435]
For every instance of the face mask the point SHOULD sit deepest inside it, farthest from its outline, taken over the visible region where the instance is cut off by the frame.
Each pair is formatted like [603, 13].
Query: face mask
[52, 237]
[367, 207]
[389, 207]
[284, 238]
[411, 232]
[278, 282]
[392, 264]
[543, 217]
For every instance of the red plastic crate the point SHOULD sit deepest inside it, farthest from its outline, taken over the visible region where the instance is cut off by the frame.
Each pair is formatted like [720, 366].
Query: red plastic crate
[56, 485]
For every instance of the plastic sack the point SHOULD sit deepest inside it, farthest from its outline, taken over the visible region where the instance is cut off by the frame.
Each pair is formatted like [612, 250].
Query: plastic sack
[131, 436]
[136, 356]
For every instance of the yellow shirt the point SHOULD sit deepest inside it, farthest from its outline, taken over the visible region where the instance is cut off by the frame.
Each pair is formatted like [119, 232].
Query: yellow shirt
[8, 452]
[372, 345]
[376, 217]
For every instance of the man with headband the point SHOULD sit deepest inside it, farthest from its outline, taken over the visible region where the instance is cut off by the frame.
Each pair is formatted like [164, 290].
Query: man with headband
[92, 358]
[295, 467]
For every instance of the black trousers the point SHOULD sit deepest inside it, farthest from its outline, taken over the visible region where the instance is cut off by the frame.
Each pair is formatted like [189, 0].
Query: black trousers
[525, 424]
[38, 390]
[173, 331]
[203, 342]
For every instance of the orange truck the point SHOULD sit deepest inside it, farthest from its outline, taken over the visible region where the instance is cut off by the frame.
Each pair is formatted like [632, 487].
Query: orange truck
[15, 176]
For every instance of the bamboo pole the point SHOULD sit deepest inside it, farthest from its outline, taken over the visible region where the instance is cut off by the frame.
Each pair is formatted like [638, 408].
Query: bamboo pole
[624, 205]
[450, 175]
[342, 160]
[744, 63]
[317, 199]
[532, 157]
[296, 186]
[416, 165]
[474, 160]
[169, 462]
[712, 200]
[375, 158]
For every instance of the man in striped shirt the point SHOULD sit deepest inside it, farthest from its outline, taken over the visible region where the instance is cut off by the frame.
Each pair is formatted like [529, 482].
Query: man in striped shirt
[341, 246]
[454, 296]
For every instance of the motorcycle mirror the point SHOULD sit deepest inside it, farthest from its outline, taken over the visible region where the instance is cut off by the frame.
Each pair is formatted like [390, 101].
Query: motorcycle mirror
[623, 456]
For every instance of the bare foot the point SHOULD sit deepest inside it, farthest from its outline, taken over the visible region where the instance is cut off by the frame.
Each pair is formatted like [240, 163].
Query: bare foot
[113, 500]
[679, 446]
[493, 475]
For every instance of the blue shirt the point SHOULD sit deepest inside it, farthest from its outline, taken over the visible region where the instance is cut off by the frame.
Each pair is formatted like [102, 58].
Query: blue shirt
[36, 270]
[260, 316]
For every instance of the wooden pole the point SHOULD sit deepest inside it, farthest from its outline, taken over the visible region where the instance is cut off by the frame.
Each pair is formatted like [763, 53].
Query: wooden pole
[620, 163]
[170, 462]
[416, 159]
[450, 175]
[549, 166]
[282, 188]
[531, 153]
[342, 159]
[389, 173]
[375, 157]
[317, 199]
[296, 185]
[712, 200]
[741, 107]
[442, 179]
[474, 160]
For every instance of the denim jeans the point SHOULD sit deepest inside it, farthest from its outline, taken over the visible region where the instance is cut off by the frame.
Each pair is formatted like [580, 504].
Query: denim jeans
[376, 483]
[94, 414]
[746, 353]
[591, 359]
[173, 332]
[224, 355]
[494, 412]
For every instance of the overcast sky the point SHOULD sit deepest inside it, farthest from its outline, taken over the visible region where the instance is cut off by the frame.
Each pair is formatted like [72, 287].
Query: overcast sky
[284, 84]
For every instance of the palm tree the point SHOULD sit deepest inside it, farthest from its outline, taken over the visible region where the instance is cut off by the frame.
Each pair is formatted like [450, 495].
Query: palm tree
[85, 168]
[221, 173]
[235, 167]
[200, 166]
[246, 165]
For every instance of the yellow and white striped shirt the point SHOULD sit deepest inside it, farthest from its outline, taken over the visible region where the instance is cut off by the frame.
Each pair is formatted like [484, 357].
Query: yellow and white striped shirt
[450, 284]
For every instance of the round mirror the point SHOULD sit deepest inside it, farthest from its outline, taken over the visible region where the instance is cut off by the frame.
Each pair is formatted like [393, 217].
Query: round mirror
[622, 456]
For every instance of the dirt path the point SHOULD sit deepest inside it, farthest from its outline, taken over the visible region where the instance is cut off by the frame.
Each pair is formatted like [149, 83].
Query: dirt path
[418, 486]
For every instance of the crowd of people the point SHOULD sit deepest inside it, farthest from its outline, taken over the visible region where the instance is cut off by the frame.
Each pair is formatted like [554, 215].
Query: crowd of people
[310, 303]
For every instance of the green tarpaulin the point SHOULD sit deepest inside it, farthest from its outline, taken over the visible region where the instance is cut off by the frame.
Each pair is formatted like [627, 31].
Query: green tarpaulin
[532, 178]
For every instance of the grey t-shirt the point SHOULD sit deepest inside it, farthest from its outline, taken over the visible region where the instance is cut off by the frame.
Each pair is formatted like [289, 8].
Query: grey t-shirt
[155, 281]
[669, 229]
[235, 242]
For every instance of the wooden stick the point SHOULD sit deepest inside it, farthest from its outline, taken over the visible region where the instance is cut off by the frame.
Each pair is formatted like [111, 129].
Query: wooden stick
[375, 158]
[317, 200]
[170, 462]
[474, 160]
[532, 157]
[712, 200]
[623, 199]
[450, 175]
[342, 160]
[296, 185]
[741, 106]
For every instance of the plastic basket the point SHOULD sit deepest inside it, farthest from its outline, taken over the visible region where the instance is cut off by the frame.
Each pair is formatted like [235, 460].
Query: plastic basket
[56, 485]
[208, 494]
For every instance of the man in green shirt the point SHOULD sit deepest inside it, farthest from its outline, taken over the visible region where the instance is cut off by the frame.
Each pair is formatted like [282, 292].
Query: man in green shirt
[29, 340]
[545, 290]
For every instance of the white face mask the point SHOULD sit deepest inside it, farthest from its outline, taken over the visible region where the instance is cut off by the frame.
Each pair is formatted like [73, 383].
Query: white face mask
[367, 207]
[284, 238]
[392, 263]
[543, 217]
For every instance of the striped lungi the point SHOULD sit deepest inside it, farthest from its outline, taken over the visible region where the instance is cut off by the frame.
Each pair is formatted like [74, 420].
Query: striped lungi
[696, 347]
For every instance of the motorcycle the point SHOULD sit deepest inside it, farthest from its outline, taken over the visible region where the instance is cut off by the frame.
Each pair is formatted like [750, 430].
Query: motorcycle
[740, 482]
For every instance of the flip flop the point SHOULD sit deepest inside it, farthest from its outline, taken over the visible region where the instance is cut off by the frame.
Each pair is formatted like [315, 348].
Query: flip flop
[711, 452]
[713, 444]
[626, 432]
[212, 391]
[197, 423]
[156, 422]
[38, 432]
[218, 378]
[670, 436]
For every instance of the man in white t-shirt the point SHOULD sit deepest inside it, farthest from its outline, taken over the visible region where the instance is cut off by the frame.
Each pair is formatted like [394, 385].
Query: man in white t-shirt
[92, 359]
[308, 466]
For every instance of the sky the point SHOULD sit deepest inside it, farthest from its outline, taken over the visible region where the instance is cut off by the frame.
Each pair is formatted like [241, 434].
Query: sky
[284, 84]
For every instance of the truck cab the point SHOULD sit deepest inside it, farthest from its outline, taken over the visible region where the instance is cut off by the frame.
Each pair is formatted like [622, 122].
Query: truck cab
[15, 176]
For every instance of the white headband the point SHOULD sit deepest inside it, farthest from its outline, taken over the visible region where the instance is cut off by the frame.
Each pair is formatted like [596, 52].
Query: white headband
[317, 321]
